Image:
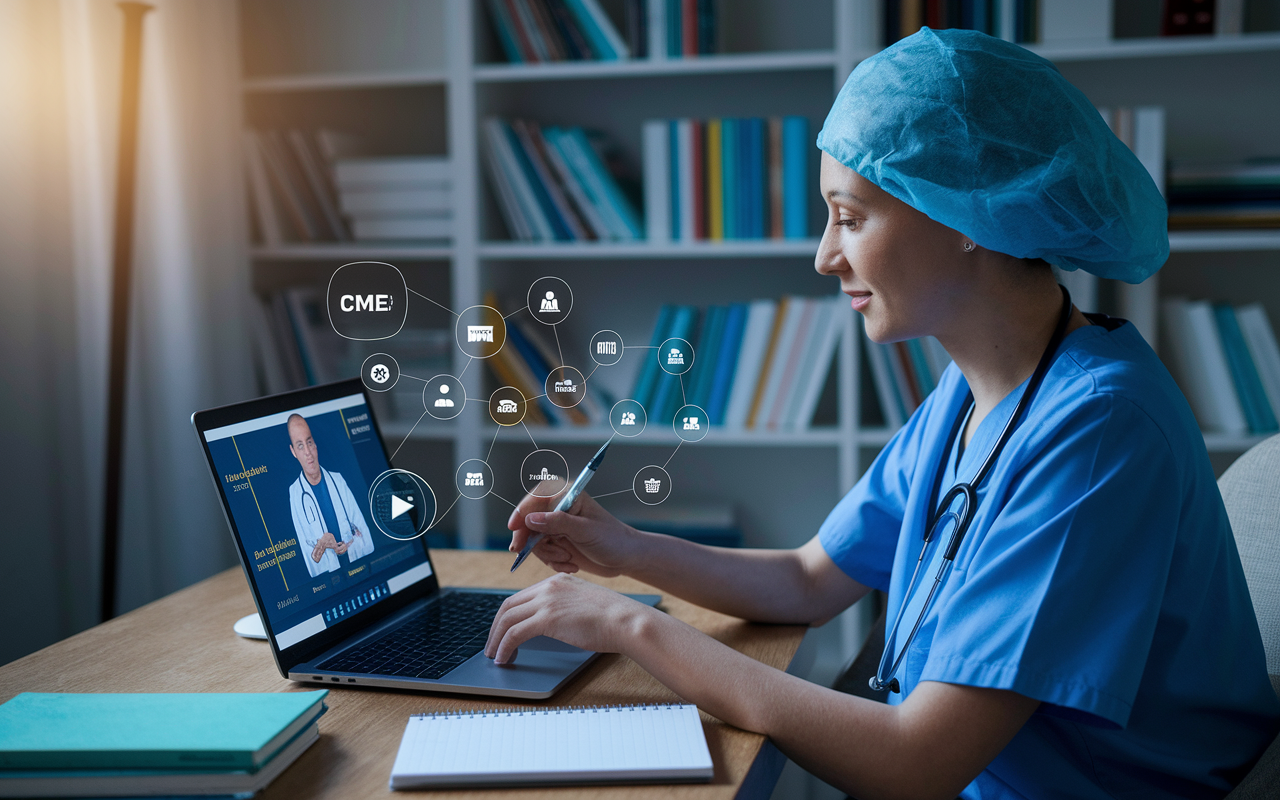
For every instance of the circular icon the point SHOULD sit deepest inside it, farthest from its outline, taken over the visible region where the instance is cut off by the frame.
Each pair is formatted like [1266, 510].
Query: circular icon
[367, 300]
[550, 300]
[481, 331]
[627, 418]
[444, 397]
[675, 356]
[507, 406]
[402, 504]
[379, 372]
[474, 479]
[606, 348]
[565, 387]
[544, 473]
[652, 485]
[691, 423]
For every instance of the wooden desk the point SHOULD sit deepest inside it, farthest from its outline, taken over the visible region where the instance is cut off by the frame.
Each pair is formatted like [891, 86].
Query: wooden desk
[184, 643]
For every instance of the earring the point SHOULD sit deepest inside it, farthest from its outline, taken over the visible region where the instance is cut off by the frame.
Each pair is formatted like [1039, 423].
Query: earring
[968, 246]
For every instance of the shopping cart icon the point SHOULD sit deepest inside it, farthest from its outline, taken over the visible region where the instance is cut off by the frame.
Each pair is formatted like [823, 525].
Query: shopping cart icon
[652, 485]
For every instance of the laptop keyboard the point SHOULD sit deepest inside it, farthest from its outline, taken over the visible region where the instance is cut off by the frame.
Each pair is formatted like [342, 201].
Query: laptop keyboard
[429, 643]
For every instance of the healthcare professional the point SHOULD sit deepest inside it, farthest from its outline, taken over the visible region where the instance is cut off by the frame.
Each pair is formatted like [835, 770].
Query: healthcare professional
[322, 503]
[1077, 624]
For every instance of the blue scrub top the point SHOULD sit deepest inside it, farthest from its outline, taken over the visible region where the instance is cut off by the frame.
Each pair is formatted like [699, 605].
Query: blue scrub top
[326, 510]
[1100, 576]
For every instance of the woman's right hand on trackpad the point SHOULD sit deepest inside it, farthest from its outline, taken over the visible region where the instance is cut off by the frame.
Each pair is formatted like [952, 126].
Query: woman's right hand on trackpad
[584, 538]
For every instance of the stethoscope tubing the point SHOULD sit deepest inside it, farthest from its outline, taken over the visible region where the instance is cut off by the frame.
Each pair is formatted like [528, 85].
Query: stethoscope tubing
[308, 493]
[969, 491]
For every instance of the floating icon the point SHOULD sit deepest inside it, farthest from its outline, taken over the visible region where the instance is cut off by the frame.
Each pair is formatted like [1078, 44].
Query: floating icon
[691, 424]
[675, 358]
[507, 407]
[652, 485]
[379, 373]
[544, 475]
[606, 348]
[565, 385]
[474, 479]
[444, 402]
[479, 333]
[550, 305]
[628, 418]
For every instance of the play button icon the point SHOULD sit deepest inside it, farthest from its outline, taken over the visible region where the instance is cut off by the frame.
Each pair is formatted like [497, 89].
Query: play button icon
[399, 506]
[402, 504]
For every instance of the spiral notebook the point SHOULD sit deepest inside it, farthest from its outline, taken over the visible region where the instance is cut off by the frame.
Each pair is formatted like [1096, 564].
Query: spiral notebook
[519, 747]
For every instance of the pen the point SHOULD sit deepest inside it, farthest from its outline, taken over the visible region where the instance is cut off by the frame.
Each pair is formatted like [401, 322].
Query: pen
[580, 483]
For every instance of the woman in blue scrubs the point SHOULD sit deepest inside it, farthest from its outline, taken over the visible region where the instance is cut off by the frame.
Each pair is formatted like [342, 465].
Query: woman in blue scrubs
[1092, 636]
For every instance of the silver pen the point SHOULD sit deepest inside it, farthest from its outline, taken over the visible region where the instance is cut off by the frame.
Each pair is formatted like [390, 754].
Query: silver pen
[566, 502]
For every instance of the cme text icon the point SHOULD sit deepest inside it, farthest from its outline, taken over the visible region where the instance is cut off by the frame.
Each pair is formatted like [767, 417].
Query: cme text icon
[550, 300]
[675, 356]
[474, 479]
[652, 485]
[402, 504]
[507, 406]
[564, 386]
[481, 331]
[627, 418]
[606, 348]
[544, 473]
[444, 397]
[379, 372]
[367, 301]
[691, 423]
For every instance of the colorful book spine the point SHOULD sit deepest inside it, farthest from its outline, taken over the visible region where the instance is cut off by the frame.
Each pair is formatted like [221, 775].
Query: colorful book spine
[715, 181]
[795, 176]
[726, 362]
[1253, 398]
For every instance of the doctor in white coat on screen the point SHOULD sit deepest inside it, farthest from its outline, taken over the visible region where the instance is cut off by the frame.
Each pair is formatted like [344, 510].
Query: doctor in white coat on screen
[322, 549]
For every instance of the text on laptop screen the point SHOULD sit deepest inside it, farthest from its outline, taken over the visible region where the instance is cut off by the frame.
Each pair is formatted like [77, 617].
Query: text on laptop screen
[297, 484]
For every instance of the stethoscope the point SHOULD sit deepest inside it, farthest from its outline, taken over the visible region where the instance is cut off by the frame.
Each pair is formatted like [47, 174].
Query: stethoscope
[967, 493]
[313, 513]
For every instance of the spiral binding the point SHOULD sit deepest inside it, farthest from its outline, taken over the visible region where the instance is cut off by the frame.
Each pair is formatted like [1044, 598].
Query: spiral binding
[520, 711]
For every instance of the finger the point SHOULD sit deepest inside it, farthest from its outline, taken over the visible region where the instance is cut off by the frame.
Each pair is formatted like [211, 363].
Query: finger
[549, 551]
[517, 635]
[503, 622]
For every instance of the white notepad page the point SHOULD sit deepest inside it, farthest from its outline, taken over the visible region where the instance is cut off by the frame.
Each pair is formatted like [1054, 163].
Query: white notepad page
[654, 743]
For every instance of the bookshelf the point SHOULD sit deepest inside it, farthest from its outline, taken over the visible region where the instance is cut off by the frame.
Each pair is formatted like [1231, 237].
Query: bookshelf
[391, 70]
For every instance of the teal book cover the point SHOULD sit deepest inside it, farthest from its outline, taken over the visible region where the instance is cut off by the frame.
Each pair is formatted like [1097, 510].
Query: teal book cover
[151, 731]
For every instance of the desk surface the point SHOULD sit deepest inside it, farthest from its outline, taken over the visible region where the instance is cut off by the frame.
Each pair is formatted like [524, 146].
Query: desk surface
[184, 643]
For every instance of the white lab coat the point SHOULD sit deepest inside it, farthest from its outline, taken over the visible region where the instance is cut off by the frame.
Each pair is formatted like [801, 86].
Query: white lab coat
[308, 521]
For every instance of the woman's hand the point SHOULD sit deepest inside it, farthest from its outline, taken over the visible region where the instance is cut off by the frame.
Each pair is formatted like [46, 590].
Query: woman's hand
[569, 609]
[584, 538]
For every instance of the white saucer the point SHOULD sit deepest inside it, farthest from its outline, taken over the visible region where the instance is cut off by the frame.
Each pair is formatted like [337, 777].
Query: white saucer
[250, 627]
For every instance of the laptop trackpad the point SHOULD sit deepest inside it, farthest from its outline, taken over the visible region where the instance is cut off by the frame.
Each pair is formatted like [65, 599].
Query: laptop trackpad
[541, 664]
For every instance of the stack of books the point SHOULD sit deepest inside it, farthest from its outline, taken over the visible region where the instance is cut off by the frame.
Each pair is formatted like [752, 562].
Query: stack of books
[680, 28]
[533, 31]
[1237, 195]
[1015, 20]
[396, 197]
[760, 365]
[132, 745]
[525, 362]
[726, 178]
[1227, 362]
[904, 374]
[291, 186]
[552, 184]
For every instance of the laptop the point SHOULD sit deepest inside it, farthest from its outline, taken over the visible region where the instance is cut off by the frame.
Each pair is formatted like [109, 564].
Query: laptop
[330, 538]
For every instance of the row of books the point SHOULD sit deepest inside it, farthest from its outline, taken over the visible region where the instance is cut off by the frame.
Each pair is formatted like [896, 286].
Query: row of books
[726, 178]
[534, 31]
[307, 187]
[526, 361]
[1227, 362]
[1015, 20]
[904, 374]
[134, 745]
[759, 365]
[1234, 195]
[553, 184]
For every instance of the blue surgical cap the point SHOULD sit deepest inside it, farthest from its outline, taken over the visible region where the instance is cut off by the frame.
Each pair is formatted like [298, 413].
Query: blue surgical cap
[989, 139]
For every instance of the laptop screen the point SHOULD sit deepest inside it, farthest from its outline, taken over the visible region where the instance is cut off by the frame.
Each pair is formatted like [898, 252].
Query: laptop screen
[297, 486]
